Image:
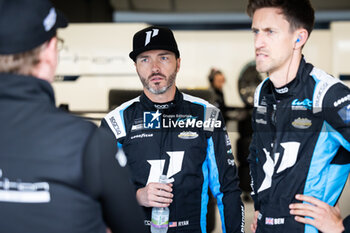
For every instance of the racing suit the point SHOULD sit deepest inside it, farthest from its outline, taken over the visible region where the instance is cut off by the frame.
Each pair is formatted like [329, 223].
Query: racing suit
[346, 223]
[176, 139]
[301, 144]
[58, 173]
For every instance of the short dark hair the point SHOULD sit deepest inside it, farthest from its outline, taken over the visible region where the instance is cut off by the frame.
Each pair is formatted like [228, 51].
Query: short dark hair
[299, 13]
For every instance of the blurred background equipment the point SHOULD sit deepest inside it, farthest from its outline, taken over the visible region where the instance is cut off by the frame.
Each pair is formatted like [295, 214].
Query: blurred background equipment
[248, 80]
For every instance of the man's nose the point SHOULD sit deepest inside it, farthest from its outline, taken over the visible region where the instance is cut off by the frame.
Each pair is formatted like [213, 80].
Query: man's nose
[259, 41]
[155, 67]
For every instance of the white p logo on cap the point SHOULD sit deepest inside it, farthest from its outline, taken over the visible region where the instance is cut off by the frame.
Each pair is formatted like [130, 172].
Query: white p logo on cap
[150, 34]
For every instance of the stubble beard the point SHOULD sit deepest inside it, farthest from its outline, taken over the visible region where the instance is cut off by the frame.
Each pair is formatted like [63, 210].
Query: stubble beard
[160, 90]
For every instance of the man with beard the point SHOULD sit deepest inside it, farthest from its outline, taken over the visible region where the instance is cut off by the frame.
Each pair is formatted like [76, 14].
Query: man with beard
[301, 118]
[164, 131]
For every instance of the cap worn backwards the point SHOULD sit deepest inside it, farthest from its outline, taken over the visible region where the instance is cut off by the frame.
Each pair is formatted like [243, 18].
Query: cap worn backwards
[26, 24]
[152, 38]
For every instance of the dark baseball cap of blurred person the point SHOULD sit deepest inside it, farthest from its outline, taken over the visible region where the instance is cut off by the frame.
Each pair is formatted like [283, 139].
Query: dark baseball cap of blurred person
[26, 24]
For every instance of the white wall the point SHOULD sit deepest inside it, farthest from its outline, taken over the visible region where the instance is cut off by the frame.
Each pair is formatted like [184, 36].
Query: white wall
[341, 48]
[99, 53]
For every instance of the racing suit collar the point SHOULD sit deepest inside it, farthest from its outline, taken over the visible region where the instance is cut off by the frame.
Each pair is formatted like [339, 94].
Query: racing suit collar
[291, 88]
[168, 106]
[14, 86]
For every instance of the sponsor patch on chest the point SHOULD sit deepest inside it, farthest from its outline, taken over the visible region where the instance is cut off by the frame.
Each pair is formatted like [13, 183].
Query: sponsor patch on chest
[301, 123]
[188, 135]
[305, 104]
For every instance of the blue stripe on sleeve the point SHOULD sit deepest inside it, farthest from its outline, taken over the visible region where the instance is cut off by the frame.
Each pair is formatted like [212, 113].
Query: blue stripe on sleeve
[325, 181]
[204, 196]
[214, 181]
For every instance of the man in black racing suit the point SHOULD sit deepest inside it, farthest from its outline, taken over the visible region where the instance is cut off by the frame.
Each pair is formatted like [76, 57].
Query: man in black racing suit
[301, 117]
[164, 131]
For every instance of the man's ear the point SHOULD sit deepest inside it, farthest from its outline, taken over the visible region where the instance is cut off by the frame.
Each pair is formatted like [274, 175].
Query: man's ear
[301, 36]
[46, 67]
[178, 61]
[49, 53]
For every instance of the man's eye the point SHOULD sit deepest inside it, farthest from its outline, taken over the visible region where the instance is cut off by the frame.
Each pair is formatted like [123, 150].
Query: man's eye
[164, 58]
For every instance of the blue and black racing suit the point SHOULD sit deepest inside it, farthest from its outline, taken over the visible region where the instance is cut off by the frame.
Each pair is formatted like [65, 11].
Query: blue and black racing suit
[301, 144]
[186, 140]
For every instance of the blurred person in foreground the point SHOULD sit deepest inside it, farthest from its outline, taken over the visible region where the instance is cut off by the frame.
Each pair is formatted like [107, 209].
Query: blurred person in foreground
[58, 173]
[301, 120]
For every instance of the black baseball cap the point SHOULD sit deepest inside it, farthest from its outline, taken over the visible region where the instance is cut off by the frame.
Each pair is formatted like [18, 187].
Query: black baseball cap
[26, 24]
[152, 38]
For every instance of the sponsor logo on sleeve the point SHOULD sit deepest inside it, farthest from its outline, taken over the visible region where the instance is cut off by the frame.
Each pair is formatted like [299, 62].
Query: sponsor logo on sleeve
[342, 100]
[320, 93]
[344, 114]
[115, 125]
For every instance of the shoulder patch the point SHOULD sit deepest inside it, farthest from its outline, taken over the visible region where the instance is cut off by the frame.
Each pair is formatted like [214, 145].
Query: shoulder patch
[211, 112]
[115, 118]
[324, 81]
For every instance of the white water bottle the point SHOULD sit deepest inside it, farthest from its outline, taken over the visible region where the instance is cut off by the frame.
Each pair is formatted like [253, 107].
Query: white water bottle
[160, 215]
